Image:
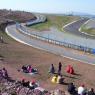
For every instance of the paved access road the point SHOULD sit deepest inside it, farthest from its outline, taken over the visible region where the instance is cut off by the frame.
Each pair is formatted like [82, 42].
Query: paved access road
[11, 31]
[74, 28]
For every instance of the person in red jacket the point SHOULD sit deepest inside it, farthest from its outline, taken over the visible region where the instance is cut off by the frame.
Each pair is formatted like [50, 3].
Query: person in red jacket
[70, 69]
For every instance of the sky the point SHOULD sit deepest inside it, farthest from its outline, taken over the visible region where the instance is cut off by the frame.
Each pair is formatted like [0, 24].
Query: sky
[50, 6]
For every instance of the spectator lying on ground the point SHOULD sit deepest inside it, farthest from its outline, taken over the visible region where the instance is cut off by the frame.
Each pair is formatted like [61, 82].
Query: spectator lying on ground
[29, 69]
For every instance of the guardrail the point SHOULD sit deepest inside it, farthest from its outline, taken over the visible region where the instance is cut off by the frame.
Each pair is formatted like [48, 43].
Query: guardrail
[23, 30]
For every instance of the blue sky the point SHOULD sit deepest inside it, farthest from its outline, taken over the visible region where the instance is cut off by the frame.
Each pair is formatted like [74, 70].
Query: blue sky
[50, 6]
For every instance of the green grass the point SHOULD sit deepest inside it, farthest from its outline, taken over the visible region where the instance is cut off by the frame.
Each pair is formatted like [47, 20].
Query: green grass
[56, 21]
[90, 31]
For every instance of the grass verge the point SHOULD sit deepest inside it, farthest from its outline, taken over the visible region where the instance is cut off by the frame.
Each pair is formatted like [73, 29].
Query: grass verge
[56, 21]
[90, 31]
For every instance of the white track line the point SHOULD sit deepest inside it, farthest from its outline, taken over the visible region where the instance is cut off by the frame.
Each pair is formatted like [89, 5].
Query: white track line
[70, 23]
[85, 32]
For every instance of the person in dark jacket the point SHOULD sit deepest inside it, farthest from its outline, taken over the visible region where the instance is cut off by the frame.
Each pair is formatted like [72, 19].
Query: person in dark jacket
[91, 92]
[71, 89]
[59, 68]
[52, 69]
[24, 69]
[25, 83]
[5, 73]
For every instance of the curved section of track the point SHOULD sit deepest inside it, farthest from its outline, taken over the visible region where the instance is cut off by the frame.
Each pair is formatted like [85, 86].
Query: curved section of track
[73, 28]
[11, 31]
[18, 36]
[39, 19]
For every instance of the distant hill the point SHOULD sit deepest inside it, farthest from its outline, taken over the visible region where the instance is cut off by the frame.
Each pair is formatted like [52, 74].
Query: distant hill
[9, 16]
[76, 14]
[80, 14]
[20, 16]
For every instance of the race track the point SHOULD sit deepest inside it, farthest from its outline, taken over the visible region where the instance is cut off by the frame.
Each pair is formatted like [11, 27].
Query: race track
[25, 39]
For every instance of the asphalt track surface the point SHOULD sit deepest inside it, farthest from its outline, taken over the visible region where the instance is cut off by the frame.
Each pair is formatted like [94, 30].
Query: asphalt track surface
[74, 28]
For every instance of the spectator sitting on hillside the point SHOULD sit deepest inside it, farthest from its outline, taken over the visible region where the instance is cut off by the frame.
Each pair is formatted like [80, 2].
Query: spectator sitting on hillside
[54, 79]
[71, 89]
[60, 79]
[82, 90]
[33, 84]
[5, 73]
[70, 69]
[52, 69]
[25, 83]
[24, 69]
[91, 92]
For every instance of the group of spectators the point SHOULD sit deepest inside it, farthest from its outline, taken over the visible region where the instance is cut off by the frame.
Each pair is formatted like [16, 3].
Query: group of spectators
[52, 69]
[23, 83]
[29, 69]
[30, 84]
[81, 90]
[58, 78]
[69, 69]
[71, 88]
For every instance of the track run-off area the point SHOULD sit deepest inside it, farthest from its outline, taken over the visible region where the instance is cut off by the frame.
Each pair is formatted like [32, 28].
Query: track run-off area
[58, 50]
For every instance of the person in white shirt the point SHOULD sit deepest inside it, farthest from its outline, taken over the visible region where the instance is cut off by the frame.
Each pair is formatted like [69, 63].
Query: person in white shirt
[81, 90]
[33, 84]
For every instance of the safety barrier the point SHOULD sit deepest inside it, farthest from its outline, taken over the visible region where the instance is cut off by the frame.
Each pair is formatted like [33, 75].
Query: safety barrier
[24, 30]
